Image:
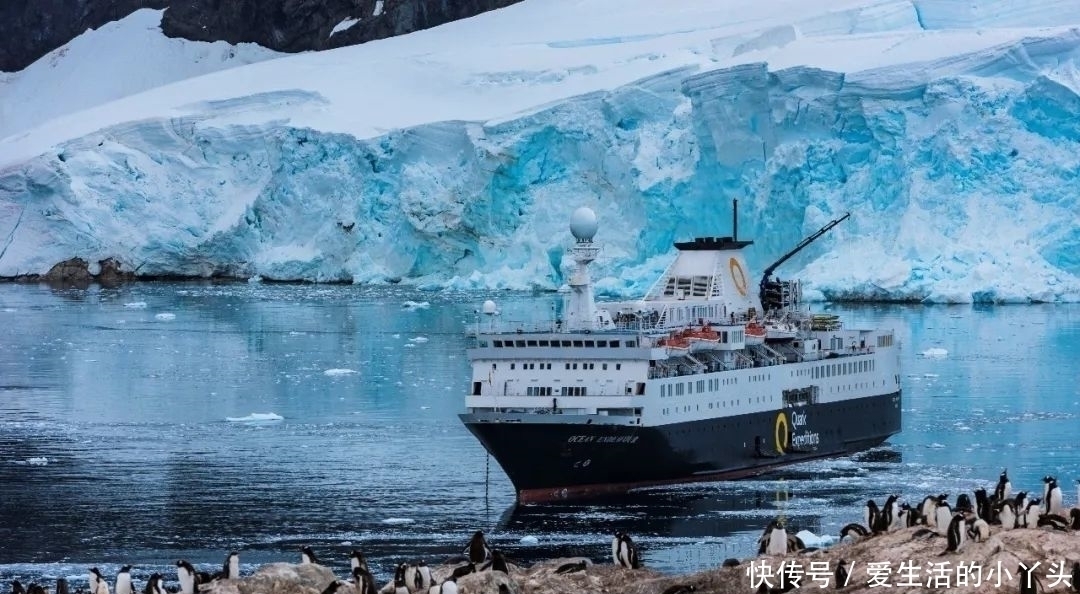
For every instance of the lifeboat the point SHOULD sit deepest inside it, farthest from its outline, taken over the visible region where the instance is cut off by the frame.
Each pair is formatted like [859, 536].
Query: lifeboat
[755, 333]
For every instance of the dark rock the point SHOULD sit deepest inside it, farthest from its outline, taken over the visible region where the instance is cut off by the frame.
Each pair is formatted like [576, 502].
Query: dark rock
[74, 271]
[32, 29]
[112, 273]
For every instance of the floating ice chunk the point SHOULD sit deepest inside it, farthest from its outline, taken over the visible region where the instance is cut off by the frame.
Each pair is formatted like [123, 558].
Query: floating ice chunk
[425, 407]
[9, 310]
[257, 418]
[136, 305]
[529, 540]
[415, 305]
[410, 345]
[930, 375]
[165, 316]
[333, 372]
[38, 461]
[255, 280]
[935, 352]
[419, 339]
[813, 540]
[398, 521]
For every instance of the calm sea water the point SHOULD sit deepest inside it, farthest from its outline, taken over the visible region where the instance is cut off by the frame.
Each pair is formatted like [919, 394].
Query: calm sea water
[130, 432]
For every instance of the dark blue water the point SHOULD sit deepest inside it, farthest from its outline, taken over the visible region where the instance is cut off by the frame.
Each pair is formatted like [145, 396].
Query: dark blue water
[115, 446]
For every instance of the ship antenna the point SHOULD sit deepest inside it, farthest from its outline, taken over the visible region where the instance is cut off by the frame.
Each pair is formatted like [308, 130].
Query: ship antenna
[735, 219]
[580, 309]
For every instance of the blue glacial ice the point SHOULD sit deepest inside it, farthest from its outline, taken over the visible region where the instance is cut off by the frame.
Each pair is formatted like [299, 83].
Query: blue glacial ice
[961, 181]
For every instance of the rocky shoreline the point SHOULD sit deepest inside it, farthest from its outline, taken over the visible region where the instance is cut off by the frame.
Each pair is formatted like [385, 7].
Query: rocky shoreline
[910, 560]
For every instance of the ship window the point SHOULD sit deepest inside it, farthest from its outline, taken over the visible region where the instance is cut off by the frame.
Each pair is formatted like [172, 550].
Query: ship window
[575, 365]
[568, 366]
[710, 406]
[566, 343]
[498, 343]
[689, 387]
[531, 343]
[578, 343]
[631, 343]
[603, 366]
[511, 366]
[520, 343]
[494, 366]
[614, 344]
[589, 343]
[601, 343]
[618, 366]
[543, 343]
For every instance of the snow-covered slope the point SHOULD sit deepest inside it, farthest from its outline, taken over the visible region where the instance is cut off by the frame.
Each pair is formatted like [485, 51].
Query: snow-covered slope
[454, 156]
[119, 59]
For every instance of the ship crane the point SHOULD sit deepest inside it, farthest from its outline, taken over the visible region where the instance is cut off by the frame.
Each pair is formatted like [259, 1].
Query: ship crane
[777, 294]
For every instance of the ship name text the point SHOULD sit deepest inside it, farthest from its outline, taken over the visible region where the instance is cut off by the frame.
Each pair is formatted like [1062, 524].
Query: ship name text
[602, 439]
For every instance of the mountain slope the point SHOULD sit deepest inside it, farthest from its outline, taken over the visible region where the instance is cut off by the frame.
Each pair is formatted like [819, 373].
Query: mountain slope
[452, 157]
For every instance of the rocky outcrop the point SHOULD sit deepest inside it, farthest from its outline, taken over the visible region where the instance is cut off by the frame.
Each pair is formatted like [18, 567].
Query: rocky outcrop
[77, 272]
[32, 29]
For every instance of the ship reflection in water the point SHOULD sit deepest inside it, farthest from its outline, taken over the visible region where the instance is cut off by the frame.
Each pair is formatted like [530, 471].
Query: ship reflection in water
[698, 526]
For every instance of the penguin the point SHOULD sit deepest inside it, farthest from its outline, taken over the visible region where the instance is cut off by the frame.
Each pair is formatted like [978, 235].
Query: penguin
[1076, 576]
[1053, 498]
[478, 550]
[928, 509]
[730, 562]
[463, 570]
[1074, 517]
[411, 576]
[425, 575]
[498, 562]
[1029, 582]
[572, 567]
[841, 574]
[449, 586]
[854, 530]
[870, 515]
[153, 585]
[906, 516]
[400, 584]
[942, 516]
[1007, 515]
[17, 587]
[955, 533]
[36, 589]
[363, 581]
[185, 573]
[231, 567]
[978, 530]
[887, 518]
[1054, 521]
[1003, 490]
[794, 543]
[680, 589]
[307, 557]
[982, 504]
[123, 581]
[963, 503]
[1046, 485]
[777, 540]
[615, 546]
[61, 586]
[628, 554]
[1020, 506]
[356, 559]
[98, 585]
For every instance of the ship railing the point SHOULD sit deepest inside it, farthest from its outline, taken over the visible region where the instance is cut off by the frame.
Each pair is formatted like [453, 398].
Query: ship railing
[742, 361]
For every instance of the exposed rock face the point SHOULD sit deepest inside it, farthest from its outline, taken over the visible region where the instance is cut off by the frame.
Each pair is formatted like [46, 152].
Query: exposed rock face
[32, 29]
[277, 578]
[77, 272]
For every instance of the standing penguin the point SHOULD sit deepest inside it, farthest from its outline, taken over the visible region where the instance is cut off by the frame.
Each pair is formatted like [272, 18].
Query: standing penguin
[231, 567]
[449, 586]
[478, 550]
[887, 516]
[841, 574]
[1031, 515]
[928, 509]
[627, 553]
[978, 529]
[955, 533]
[1053, 498]
[185, 573]
[1076, 576]
[17, 587]
[425, 575]
[401, 586]
[1007, 515]
[356, 559]
[1003, 490]
[307, 556]
[615, 546]
[153, 585]
[963, 503]
[942, 516]
[62, 586]
[870, 515]
[98, 585]
[123, 581]
[778, 542]
[1020, 506]
[982, 504]
[498, 562]
[363, 581]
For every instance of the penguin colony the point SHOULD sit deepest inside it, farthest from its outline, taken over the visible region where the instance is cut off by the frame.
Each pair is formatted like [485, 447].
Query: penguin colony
[409, 578]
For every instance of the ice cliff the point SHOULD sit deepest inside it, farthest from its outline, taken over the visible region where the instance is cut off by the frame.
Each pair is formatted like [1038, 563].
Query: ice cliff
[455, 158]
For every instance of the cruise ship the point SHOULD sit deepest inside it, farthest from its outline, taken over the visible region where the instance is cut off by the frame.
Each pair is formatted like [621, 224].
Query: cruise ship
[707, 377]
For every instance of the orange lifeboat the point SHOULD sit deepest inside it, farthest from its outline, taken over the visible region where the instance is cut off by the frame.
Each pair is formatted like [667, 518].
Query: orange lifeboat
[755, 333]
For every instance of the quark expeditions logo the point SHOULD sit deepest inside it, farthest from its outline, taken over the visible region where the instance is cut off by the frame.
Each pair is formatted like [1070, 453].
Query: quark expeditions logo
[737, 276]
[787, 434]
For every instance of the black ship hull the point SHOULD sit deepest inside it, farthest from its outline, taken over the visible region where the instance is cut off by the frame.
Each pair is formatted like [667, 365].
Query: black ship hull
[548, 461]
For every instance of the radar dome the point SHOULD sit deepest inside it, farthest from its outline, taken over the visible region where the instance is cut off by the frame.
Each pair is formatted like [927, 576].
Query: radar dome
[583, 224]
[489, 307]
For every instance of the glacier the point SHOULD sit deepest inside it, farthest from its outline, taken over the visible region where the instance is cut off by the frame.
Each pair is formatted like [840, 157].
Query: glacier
[453, 157]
